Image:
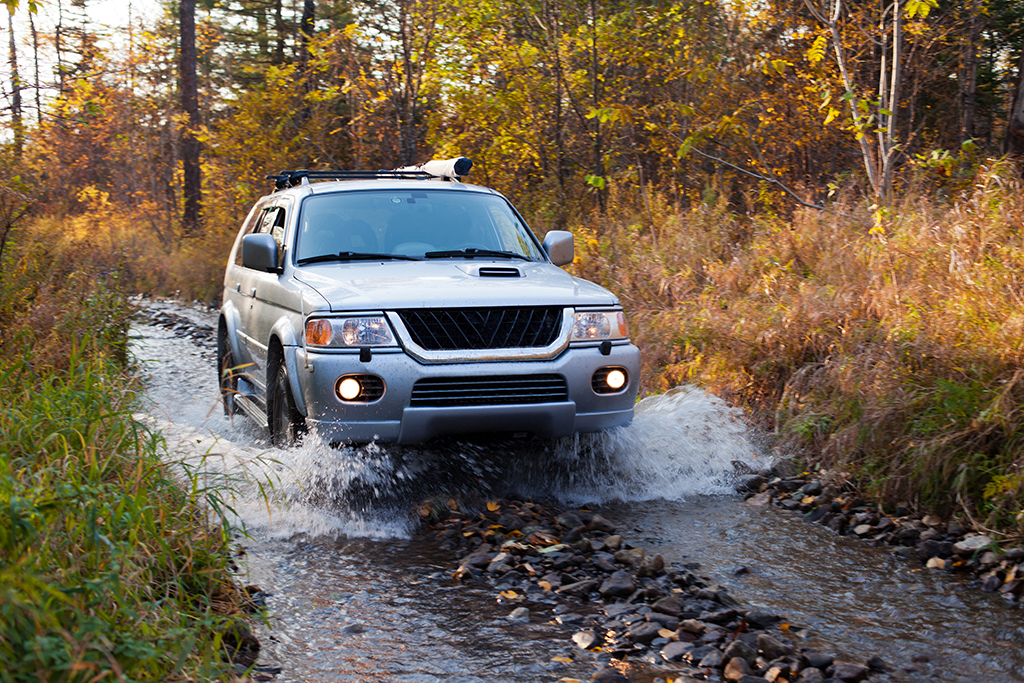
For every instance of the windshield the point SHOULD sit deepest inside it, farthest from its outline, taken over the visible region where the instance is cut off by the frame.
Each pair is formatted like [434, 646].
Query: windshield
[412, 223]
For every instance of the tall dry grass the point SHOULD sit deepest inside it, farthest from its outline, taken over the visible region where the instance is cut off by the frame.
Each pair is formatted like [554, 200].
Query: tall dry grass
[888, 347]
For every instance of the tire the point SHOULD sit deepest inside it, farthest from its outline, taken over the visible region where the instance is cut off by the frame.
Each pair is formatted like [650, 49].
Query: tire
[227, 376]
[286, 423]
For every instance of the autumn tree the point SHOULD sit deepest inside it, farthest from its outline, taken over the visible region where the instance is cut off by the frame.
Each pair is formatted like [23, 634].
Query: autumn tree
[192, 179]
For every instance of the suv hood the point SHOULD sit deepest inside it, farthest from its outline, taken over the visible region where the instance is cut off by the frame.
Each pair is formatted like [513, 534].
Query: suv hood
[447, 283]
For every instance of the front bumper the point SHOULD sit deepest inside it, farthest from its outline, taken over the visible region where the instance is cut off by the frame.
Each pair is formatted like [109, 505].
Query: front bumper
[392, 419]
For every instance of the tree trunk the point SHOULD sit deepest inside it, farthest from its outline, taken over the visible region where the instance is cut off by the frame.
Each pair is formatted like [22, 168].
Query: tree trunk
[969, 73]
[17, 124]
[192, 190]
[1013, 143]
[306, 30]
[35, 59]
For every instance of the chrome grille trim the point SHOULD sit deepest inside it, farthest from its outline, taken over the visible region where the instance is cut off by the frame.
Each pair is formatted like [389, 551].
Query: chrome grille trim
[464, 329]
[560, 343]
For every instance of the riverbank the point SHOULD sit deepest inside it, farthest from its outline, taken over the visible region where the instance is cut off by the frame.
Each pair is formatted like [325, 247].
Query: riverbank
[833, 501]
[113, 560]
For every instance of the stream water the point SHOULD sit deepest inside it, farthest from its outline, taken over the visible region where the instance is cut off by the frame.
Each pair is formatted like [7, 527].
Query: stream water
[353, 597]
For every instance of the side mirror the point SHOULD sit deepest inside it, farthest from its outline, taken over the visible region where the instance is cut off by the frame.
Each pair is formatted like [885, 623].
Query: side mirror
[259, 252]
[560, 247]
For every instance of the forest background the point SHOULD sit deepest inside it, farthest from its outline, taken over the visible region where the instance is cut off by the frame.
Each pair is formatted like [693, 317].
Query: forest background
[811, 208]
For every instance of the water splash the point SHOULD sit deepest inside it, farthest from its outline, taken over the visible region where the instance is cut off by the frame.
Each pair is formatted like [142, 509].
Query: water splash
[680, 444]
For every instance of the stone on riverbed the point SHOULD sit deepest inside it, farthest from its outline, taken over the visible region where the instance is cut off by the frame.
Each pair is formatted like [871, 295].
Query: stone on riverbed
[972, 544]
[520, 615]
[619, 584]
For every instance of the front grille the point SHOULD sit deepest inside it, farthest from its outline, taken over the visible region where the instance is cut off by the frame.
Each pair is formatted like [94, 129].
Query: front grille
[440, 392]
[456, 329]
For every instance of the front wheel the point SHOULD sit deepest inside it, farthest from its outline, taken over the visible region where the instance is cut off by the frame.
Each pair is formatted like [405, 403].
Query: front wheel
[287, 425]
[228, 375]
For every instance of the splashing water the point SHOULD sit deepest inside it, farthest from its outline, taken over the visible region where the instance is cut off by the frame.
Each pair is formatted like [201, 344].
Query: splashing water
[680, 444]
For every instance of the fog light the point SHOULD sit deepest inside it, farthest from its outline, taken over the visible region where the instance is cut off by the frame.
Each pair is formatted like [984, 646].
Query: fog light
[359, 388]
[349, 388]
[616, 379]
[609, 380]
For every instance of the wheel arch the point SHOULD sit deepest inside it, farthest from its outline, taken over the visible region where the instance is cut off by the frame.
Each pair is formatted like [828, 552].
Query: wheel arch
[284, 342]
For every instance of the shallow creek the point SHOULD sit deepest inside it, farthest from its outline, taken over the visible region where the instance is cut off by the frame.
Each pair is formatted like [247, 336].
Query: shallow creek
[352, 597]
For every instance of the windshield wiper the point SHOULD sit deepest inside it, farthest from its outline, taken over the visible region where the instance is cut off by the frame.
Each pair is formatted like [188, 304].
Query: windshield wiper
[354, 256]
[471, 252]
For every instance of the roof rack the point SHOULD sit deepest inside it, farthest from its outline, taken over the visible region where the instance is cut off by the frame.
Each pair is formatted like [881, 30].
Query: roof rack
[444, 169]
[286, 179]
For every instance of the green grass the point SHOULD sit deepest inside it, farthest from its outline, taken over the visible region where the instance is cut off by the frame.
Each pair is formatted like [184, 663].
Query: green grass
[114, 565]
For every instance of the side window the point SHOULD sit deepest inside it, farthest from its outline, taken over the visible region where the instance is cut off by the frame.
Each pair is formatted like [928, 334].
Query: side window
[273, 223]
[252, 224]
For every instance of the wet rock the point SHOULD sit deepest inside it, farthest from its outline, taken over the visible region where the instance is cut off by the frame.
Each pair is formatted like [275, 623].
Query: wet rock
[929, 549]
[585, 639]
[712, 660]
[630, 556]
[736, 669]
[618, 609]
[817, 660]
[811, 675]
[784, 469]
[511, 522]
[991, 583]
[849, 673]
[931, 520]
[579, 588]
[569, 520]
[863, 530]
[739, 650]
[772, 648]
[613, 543]
[651, 566]
[759, 500]
[520, 615]
[609, 675]
[670, 605]
[750, 482]
[477, 560]
[721, 617]
[573, 535]
[693, 626]
[876, 663]
[619, 584]
[972, 544]
[605, 562]
[762, 619]
[812, 488]
[1015, 554]
[643, 631]
[675, 652]
[599, 523]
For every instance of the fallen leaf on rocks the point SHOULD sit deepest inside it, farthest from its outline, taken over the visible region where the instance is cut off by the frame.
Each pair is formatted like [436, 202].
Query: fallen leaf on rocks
[514, 534]
[569, 680]
[509, 595]
[552, 548]
[666, 633]
[493, 506]
[807, 500]
[563, 660]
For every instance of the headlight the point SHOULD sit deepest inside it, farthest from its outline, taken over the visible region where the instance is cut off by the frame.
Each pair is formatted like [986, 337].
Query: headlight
[590, 325]
[342, 332]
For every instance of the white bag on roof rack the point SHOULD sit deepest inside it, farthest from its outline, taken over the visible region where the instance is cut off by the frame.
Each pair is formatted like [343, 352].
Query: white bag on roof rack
[443, 168]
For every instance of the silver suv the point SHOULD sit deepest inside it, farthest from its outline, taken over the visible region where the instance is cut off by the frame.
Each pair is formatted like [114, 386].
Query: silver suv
[398, 306]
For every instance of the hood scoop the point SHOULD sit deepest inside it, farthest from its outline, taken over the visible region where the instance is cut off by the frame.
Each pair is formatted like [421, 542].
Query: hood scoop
[491, 271]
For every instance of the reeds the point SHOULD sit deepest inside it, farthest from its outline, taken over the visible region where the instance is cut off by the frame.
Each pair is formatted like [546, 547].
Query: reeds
[887, 346]
[110, 568]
